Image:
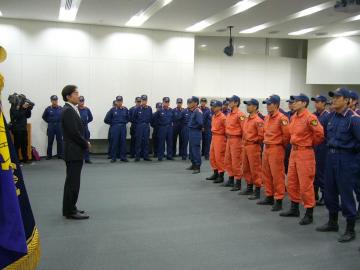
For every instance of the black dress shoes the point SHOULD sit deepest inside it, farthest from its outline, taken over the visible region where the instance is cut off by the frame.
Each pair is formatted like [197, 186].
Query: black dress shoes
[78, 216]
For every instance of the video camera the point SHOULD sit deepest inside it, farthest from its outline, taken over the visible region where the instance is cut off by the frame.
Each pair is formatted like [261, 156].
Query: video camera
[19, 100]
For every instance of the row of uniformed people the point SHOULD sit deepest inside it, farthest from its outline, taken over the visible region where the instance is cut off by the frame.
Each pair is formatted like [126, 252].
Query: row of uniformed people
[51, 116]
[325, 155]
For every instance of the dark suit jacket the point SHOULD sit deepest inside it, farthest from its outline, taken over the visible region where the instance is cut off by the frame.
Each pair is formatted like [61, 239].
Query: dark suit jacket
[73, 130]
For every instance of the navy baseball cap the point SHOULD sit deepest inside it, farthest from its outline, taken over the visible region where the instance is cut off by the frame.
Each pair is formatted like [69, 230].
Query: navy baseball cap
[251, 102]
[138, 99]
[300, 97]
[234, 98]
[319, 98]
[203, 99]
[81, 99]
[291, 101]
[166, 99]
[354, 95]
[144, 97]
[54, 97]
[119, 98]
[179, 100]
[158, 105]
[226, 102]
[216, 103]
[274, 99]
[340, 92]
[195, 99]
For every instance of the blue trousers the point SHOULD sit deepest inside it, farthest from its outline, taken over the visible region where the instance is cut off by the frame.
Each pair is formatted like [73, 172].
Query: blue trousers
[342, 172]
[165, 137]
[87, 137]
[320, 157]
[118, 138]
[194, 146]
[54, 130]
[142, 135]
[155, 141]
[185, 142]
[206, 141]
[109, 141]
[177, 134]
[132, 139]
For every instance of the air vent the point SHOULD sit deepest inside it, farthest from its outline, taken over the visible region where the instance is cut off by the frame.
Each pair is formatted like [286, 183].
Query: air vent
[319, 34]
[68, 4]
[274, 32]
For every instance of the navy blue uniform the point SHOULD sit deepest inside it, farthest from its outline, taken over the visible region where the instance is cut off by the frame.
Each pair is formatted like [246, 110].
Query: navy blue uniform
[155, 135]
[132, 131]
[177, 130]
[142, 118]
[226, 111]
[321, 152]
[51, 116]
[343, 162]
[164, 118]
[206, 134]
[195, 125]
[86, 118]
[288, 147]
[117, 118]
[185, 118]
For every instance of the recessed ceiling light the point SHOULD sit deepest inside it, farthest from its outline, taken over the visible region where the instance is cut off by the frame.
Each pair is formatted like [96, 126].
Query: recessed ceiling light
[241, 46]
[239, 7]
[302, 31]
[296, 15]
[255, 29]
[141, 17]
[203, 45]
[347, 34]
[68, 10]
[274, 48]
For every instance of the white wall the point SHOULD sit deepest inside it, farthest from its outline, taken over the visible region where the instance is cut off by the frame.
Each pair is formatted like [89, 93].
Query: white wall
[334, 61]
[249, 73]
[102, 61]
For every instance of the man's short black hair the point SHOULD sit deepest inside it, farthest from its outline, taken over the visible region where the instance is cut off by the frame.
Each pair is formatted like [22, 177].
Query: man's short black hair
[67, 91]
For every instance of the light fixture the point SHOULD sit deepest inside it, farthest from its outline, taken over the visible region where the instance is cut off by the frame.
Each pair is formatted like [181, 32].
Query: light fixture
[302, 31]
[0, 13]
[239, 7]
[302, 13]
[354, 18]
[274, 48]
[255, 28]
[68, 10]
[241, 46]
[141, 17]
[203, 45]
[347, 34]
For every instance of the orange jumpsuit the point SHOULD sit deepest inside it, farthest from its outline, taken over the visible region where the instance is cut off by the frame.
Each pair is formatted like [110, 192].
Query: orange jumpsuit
[276, 137]
[305, 131]
[218, 142]
[234, 147]
[253, 136]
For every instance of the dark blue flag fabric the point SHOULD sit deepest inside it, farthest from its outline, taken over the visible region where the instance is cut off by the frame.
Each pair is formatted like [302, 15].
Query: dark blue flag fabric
[19, 237]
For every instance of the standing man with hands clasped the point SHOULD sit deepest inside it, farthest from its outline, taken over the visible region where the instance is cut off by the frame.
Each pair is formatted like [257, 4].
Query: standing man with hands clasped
[74, 146]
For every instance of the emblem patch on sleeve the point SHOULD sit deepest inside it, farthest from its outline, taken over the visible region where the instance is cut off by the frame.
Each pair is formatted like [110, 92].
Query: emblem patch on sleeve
[284, 122]
[242, 118]
[314, 122]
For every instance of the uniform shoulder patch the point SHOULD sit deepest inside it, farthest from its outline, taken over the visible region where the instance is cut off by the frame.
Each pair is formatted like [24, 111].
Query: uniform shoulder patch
[314, 122]
[260, 124]
[284, 122]
[242, 117]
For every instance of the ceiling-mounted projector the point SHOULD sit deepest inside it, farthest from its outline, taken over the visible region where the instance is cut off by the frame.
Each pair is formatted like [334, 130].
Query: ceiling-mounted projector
[347, 6]
[229, 50]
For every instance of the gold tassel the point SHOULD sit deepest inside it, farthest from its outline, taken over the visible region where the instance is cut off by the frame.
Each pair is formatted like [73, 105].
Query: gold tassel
[32, 258]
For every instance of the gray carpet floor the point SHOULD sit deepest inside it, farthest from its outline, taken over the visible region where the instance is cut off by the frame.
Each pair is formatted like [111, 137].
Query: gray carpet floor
[159, 216]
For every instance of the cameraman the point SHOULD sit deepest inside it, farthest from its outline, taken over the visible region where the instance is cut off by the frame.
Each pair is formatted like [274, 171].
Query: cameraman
[19, 115]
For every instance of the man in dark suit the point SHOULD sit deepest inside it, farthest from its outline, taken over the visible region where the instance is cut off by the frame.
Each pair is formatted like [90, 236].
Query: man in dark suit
[74, 146]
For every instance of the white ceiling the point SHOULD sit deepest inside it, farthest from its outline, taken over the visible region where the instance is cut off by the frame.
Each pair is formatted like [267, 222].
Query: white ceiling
[180, 14]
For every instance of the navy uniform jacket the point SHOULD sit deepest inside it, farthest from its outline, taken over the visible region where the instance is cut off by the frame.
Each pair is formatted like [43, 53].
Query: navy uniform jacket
[177, 116]
[164, 117]
[142, 114]
[86, 116]
[52, 115]
[117, 116]
[226, 112]
[343, 131]
[185, 117]
[196, 120]
[323, 118]
[131, 114]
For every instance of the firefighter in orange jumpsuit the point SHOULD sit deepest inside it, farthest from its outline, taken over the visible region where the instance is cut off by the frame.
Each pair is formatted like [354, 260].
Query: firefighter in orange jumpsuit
[306, 132]
[276, 137]
[234, 147]
[218, 143]
[253, 136]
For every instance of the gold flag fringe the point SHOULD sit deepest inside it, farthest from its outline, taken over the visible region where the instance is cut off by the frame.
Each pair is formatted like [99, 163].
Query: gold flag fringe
[32, 258]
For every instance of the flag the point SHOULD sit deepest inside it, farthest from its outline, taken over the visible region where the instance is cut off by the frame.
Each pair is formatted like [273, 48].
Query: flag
[19, 236]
